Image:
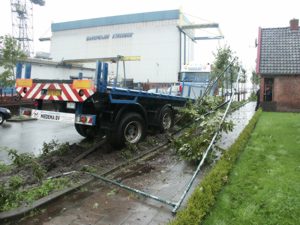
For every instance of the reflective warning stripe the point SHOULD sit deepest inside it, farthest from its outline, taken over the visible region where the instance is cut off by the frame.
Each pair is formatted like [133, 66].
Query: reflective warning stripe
[40, 90]
[37, 92]
[57, 86]
[68, 96]
[34, 90]
[71, 93]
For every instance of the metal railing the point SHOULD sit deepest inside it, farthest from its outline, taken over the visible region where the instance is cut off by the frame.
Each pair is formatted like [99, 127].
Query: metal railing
[8, 92]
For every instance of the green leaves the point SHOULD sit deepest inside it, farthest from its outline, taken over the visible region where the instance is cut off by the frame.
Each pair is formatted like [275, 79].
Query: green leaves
[13, 196]
[255, 79]
[10, 53]
[55, 148]
[195, 111]
[192, 145]
[25, 159]
[223, 58]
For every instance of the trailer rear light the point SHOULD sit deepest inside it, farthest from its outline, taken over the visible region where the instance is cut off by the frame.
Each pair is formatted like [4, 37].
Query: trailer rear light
[27, 112]
[83, 119]
[81, 92]
[86, 119]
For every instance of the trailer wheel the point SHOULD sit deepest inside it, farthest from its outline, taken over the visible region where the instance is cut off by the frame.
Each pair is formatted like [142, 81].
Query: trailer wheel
[1, 118]
[131, 129]
[166, 120]
[85, 131]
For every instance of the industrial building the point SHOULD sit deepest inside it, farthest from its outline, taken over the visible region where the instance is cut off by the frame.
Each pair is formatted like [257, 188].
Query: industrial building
[156, 37]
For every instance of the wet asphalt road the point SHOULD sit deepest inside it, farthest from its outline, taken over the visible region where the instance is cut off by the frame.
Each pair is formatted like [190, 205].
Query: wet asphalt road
[29, 136]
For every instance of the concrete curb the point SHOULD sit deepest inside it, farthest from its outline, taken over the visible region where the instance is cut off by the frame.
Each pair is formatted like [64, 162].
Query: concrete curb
[21, 119]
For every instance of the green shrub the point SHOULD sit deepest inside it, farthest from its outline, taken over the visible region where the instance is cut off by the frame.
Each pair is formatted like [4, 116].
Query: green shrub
[20, 159]
[12, 195]
[235, 105]
[192, 145]
[89, 169]
[194, 111]
[203, 198]
[26, 159]
[55, 148]
[253, 96]
[15, 182]
[4, 167]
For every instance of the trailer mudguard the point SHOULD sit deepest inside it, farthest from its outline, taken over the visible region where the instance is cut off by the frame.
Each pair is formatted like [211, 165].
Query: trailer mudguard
[131, 108]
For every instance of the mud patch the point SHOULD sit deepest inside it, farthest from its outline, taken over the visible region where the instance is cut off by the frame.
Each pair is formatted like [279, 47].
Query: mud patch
[138, 170]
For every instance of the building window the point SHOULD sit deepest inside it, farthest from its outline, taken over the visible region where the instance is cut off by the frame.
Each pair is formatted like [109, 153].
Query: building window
[268, 89]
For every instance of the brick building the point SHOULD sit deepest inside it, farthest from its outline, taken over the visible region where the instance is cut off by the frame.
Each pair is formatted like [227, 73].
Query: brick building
[278, 64]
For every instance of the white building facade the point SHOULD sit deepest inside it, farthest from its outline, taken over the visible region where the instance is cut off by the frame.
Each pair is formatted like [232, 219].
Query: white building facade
[154, 36]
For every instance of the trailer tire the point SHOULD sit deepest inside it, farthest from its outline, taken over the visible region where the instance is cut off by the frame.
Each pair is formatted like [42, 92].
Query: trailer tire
[166, 119]
[85, 131]
[131, 129]
[1, 118]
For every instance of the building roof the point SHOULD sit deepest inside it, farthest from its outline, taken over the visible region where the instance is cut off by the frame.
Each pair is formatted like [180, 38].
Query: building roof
[115, 20]
[279, 51]
[56, 64]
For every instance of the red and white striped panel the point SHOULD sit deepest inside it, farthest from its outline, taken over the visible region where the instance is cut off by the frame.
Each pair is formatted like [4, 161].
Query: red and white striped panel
[67, 93]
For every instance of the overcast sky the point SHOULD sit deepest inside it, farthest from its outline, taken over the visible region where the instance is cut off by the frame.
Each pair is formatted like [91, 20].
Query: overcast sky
[238, 19]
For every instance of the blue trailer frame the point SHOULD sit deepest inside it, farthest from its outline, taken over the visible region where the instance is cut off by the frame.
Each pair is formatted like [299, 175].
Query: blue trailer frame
[123, 115]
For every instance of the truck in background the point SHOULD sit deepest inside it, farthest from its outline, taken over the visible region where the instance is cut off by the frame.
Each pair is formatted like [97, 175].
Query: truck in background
[194, 80]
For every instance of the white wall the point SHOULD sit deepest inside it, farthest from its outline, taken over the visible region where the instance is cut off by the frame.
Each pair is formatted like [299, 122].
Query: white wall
[156, 42]
[44, 71]
[52, 72]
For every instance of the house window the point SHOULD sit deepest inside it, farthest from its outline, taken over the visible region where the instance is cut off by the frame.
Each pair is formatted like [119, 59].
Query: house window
[268, 89]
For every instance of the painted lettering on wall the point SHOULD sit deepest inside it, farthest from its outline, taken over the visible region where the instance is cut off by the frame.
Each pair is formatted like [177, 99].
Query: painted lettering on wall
[97, 37]
[107, 36]
[122, 35]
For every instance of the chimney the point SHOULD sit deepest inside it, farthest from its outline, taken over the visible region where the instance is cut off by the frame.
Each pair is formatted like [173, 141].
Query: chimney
[294, 24]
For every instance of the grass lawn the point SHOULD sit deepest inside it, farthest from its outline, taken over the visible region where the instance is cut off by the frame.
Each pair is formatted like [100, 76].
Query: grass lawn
[264, 185]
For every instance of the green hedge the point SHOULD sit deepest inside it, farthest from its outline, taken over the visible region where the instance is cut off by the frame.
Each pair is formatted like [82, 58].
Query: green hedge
[206, 193]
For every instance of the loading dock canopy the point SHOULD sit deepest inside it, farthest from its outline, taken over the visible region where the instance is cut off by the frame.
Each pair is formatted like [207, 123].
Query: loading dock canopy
[185, 29]
[106, 59]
